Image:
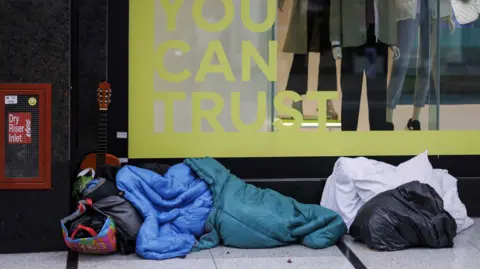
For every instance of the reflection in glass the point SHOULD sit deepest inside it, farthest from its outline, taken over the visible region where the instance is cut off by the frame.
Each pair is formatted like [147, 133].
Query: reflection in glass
[412, 25]
[459, 68]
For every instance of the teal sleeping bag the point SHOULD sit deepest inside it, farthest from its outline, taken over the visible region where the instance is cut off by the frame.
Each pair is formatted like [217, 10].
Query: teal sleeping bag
[244, 216]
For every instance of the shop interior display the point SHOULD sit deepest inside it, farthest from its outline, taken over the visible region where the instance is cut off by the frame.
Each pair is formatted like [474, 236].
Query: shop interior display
[361, 36]
[315, 28]
[306, 29]
[416, 20]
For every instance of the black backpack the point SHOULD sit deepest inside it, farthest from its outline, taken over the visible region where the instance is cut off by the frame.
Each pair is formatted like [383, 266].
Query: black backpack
[108, 199]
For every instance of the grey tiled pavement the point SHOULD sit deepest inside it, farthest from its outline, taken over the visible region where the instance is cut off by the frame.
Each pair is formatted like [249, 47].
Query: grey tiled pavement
[465, 255]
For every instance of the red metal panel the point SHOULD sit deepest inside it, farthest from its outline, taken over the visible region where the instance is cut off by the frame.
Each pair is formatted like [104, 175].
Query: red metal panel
[43, 178]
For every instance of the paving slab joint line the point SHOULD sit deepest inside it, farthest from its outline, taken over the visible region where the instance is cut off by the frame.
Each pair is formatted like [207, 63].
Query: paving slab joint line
[213, 258]
[72, 260]
[350, 255]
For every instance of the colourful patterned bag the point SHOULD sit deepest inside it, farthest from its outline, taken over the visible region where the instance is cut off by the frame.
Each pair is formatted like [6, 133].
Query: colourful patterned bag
[89, 231]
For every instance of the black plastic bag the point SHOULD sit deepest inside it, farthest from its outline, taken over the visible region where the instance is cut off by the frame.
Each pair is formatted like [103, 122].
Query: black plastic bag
[108, 172]
[123, 213]
[91, 219]
[411, 215]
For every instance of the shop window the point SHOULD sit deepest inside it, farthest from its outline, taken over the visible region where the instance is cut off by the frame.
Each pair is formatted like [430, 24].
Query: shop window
[345, 74]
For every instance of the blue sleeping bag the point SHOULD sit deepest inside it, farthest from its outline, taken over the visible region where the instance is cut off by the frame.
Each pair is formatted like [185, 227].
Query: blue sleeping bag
[201, 200]
[174, 207]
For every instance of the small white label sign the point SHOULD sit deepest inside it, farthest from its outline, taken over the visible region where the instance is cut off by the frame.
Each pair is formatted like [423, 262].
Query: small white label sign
[11, 99]
[122, 135]
[123, 160]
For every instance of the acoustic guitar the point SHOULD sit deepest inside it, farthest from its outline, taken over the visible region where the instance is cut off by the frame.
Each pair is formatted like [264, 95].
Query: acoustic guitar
[101, 157]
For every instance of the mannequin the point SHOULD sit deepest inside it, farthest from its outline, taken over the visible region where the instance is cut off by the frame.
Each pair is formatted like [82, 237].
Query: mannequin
[412, 16]
[308, 32]
[361, 32]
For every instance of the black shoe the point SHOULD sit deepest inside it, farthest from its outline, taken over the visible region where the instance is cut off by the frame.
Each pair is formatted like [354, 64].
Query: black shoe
[389, 126]
[413, 125]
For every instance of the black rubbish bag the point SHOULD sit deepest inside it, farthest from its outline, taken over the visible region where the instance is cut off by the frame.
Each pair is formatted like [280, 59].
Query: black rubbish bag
[411, 215]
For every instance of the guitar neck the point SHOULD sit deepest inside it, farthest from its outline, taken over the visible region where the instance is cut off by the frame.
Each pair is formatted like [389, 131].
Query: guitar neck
[102, 138]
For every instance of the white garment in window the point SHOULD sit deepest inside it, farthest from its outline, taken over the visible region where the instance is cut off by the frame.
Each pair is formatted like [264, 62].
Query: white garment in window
[466, 12]
[408, 9]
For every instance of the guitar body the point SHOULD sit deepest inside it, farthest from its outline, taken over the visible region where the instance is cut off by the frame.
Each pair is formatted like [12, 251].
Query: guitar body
[90, 161]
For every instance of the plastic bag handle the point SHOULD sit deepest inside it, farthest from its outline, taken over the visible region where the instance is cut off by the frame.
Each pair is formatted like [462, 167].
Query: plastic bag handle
[85, 171]
[82, 205]
[85, 228]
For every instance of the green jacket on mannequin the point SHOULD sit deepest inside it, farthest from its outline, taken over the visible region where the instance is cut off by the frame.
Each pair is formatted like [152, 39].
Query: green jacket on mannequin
[297, 40]
[348, 22]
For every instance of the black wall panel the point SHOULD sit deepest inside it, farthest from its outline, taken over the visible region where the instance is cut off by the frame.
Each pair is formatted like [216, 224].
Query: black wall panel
[92, 16]
[34, 48]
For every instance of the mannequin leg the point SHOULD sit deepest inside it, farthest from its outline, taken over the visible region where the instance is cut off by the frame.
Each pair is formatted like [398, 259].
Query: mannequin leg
[351, 81]
[433, 60]
[298, 78]
[424, 70]
[407, 32]
[377, 86]
[327, 79]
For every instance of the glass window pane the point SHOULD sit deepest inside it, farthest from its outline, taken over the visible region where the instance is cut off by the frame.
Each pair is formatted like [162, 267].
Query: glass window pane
[219, 77]
[460, 68]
